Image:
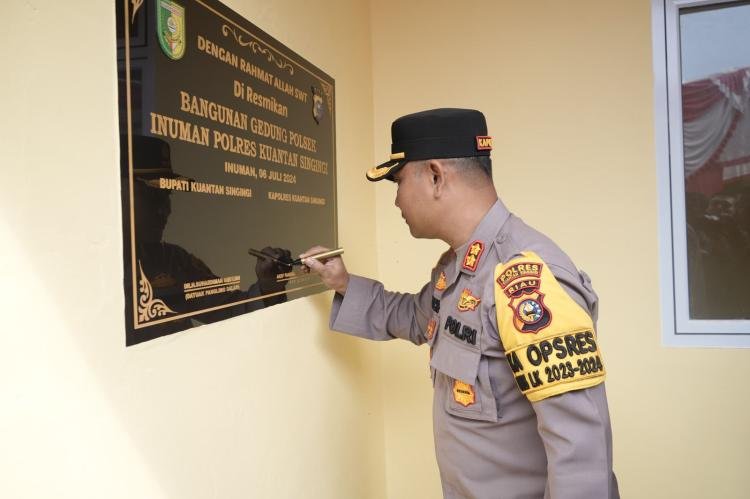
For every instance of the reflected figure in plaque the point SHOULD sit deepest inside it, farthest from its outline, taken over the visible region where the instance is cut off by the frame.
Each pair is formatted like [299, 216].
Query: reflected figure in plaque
[163, 269]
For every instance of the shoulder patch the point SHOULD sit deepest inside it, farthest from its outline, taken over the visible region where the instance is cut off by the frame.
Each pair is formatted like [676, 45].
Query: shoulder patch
[549, 340]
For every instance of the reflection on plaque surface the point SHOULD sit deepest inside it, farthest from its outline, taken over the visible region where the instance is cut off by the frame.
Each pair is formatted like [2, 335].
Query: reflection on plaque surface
[227, 164]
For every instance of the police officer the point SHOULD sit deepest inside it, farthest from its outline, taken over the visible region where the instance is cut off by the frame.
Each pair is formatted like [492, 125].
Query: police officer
[520, 409]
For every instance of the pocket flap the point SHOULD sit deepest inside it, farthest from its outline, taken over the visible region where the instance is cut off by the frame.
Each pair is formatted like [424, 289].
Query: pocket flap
[456, 361]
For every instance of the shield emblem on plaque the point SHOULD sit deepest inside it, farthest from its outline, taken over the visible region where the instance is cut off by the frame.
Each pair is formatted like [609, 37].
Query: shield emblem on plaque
[317, 105]
[170, 28]
[530, 315]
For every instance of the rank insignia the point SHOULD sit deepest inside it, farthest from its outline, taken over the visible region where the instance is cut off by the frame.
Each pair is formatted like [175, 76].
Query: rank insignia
[441, 283]
[473, 254]
[463, 393]
[170, 28]
[431, 330]
[467, 301]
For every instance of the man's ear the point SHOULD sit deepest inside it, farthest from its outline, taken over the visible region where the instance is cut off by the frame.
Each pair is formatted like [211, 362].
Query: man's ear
[437, 171]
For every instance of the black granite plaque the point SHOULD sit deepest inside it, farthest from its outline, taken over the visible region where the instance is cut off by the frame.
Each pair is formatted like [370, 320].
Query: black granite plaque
[227, 143]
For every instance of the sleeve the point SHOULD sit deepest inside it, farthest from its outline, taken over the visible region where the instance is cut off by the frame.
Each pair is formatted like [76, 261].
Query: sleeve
[369, 311]
[577, 437]
[551, 346]
[548, 338]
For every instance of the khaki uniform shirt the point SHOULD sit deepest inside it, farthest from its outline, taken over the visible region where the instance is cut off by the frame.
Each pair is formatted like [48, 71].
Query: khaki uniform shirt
[527, 420]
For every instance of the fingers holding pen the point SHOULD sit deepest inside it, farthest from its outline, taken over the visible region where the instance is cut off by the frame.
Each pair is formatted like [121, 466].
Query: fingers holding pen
[332, 271]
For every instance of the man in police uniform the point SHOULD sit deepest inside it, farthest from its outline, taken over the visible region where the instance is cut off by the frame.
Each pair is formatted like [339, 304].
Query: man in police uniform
[520, 409]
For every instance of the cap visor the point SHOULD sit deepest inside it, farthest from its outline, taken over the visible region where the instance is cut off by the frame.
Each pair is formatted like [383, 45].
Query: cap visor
[384, 170]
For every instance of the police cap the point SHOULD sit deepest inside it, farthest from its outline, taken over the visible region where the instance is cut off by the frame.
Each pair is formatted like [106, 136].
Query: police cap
[434, 134]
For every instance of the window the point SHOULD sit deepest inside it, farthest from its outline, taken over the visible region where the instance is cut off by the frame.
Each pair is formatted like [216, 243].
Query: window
[702, 98]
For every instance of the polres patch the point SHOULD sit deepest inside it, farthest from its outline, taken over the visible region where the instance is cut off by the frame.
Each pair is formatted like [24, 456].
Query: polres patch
[473, 254]
[463, 393]
[527, 270]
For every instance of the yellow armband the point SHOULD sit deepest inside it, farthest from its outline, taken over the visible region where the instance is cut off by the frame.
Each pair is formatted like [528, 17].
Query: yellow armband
[549, 340]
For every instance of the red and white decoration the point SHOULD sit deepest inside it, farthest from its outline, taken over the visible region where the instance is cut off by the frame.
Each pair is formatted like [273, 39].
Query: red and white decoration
[716, 131]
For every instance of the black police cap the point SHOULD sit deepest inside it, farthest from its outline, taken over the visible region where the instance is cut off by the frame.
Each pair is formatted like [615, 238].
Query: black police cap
[151, 159]
[434, 134]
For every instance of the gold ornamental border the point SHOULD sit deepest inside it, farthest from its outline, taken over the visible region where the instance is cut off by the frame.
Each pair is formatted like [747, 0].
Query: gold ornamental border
[148, 306]
[328, 88]
[255, 47]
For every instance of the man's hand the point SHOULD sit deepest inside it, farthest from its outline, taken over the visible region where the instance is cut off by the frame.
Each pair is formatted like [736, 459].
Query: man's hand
[266, 269]
[332, 271]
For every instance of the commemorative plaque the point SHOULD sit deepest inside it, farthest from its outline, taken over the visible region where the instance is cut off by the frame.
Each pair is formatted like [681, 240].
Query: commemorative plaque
[227, 142]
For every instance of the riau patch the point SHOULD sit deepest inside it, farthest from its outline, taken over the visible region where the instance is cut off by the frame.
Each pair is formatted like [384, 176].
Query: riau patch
[431, 326]
[473, 254]
[467, 301]
[441, 283]
[463, 393]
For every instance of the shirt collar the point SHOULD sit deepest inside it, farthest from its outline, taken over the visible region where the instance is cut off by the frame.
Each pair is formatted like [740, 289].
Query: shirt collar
[471, 255]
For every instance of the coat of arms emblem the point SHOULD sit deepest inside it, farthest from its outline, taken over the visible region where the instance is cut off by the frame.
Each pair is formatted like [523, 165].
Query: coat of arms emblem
[317, 105]
[170, 28]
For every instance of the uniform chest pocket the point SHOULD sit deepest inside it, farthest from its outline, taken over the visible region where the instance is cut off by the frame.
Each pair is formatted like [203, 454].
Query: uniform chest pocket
[473, 400]
[465, 375]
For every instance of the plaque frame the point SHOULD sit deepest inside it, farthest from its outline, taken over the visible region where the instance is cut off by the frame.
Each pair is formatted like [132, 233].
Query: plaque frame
[149, 311]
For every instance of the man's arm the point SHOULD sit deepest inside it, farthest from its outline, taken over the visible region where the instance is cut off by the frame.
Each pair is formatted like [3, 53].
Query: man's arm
[362, 307]
[577, 436]
[546, 328]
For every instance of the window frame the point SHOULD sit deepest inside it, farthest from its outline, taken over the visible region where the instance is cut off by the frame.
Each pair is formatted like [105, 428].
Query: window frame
[678, 329]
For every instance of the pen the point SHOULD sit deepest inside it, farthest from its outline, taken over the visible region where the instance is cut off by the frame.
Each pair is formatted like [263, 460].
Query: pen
[320, 256]
[260, 254]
